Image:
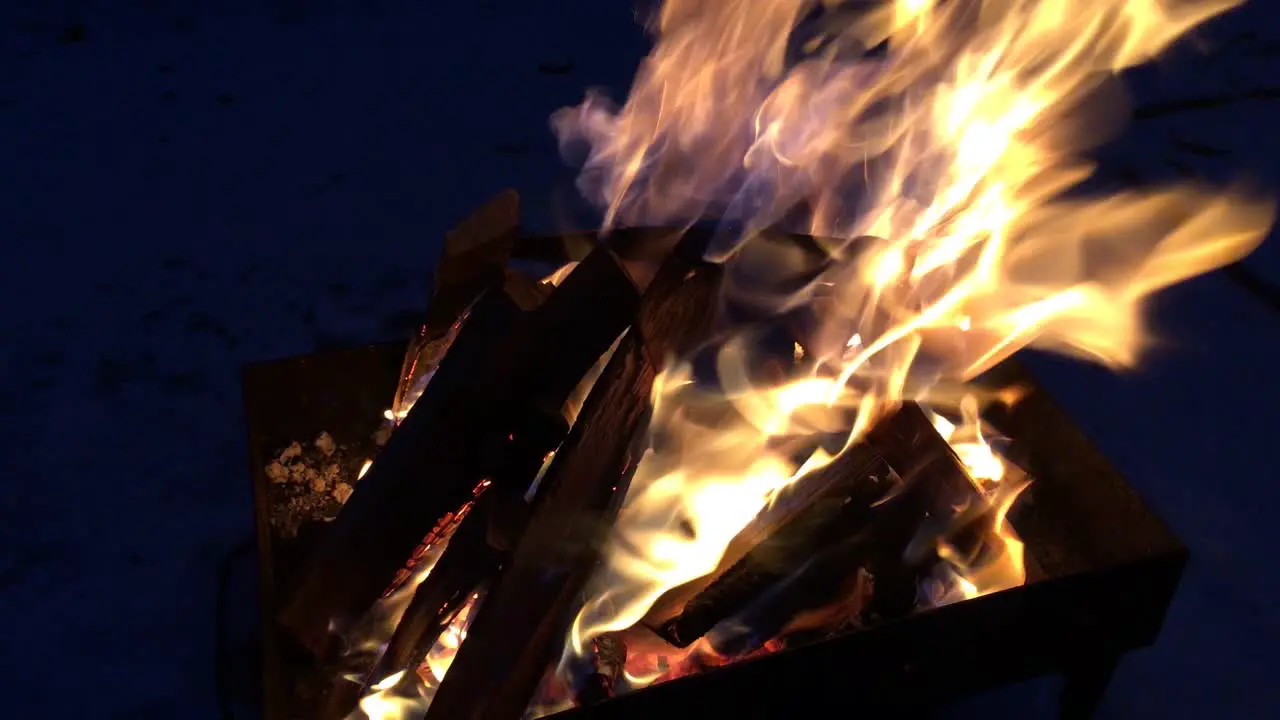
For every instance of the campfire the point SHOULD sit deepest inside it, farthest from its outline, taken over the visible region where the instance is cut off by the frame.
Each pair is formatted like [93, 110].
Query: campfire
[761, 436]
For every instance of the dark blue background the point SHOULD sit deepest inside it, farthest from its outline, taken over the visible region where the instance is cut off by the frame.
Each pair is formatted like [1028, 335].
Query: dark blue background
[184, 189]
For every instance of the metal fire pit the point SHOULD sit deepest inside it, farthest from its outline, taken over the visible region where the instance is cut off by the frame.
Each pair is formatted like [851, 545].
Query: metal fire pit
[1104, 571]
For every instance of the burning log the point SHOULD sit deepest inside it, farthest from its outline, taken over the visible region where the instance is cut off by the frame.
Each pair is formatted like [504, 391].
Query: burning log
[936, 484]
[841, 509]
[453, 578]
[512, 358]
[497, 670]
[475, 255]
[379, 526]
[1109, 569]
[858, 519]
[473, 556]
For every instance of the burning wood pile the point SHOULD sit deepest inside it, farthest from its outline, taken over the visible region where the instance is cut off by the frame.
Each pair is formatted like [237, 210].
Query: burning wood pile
[521, 425]
[621, 464]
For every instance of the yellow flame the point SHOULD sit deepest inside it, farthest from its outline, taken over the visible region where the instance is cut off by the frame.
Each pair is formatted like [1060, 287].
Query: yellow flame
[970, 444]
[406, 695]
[403, 695]
[940, 170]
[441, 655]
[997, 564]
[372, 632]
[388, 702]
[560, 274]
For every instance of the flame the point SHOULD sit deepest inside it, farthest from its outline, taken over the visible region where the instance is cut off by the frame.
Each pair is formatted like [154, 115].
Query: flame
[996, 564]
[405, 695]
[982, 462]
[944, 175]
[558, 276]
[401, 695]
[446, 647]
[368, 638]
[392, 699]
[423, 358]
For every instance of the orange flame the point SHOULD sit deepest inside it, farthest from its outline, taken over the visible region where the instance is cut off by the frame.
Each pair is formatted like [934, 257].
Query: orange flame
[404, 695]
[940, 173]
[441, 655]
[969, 441]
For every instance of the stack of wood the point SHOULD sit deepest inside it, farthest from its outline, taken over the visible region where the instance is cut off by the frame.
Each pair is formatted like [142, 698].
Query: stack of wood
[494, 412]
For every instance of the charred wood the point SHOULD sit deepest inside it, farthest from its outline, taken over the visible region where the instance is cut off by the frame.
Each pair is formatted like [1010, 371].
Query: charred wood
[508, 363]
[460, 570]
[880, 539]
[872, 502]
[433, 339]
[608, 659]
[517, 632]
[475, 252]
[382, 521]
[572, 329]
[480, 544]
[936, 484]
[831, 517]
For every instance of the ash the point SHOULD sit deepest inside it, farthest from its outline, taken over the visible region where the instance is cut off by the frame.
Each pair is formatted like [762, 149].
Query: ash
[310, 483]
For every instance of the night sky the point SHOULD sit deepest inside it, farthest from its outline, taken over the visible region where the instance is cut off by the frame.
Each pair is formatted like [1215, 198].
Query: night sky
[186, 189]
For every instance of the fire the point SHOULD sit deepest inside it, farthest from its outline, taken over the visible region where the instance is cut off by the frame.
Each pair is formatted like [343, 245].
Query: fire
[441, 655]
[403, 695]
[985, 466]
[998, 563]
[944, 177]
[390, 701]
[557, 277]
[390, 698]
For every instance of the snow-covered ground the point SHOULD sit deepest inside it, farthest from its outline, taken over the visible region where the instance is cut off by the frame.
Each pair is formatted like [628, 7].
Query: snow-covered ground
[185, 189]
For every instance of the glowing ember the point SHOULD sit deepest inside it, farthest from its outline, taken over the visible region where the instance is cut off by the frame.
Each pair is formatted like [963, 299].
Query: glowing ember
[938, 172]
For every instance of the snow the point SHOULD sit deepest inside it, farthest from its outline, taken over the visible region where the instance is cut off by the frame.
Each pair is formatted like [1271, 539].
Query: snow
[189, 189]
